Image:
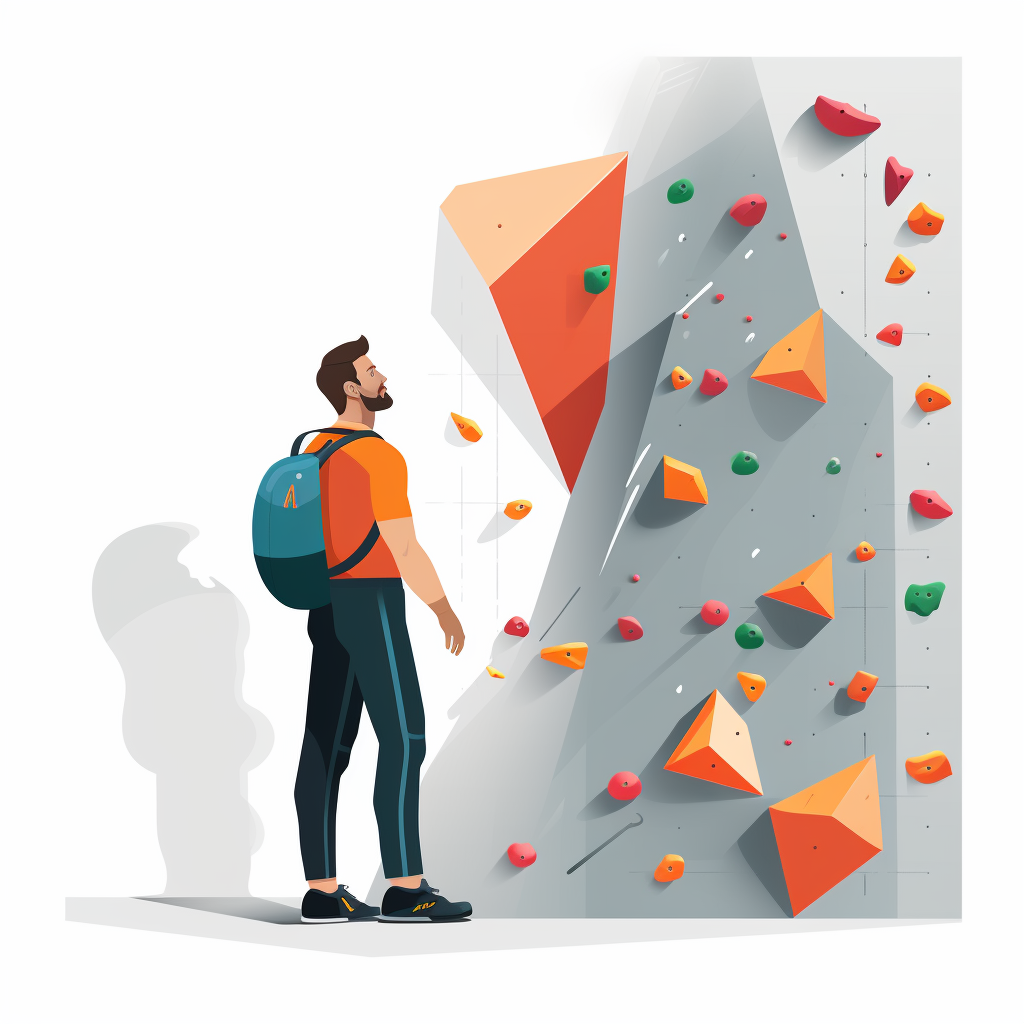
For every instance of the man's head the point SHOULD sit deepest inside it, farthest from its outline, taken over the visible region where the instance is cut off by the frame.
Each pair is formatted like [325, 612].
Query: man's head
[347, 374]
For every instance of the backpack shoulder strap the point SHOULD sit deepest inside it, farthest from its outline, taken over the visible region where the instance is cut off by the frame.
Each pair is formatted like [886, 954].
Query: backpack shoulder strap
[329, 449]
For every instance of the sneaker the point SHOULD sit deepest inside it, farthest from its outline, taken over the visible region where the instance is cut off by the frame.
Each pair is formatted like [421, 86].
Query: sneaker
[420, 904]
[320, 907]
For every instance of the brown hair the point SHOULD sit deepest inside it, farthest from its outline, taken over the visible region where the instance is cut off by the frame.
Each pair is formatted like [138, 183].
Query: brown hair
[337, 370]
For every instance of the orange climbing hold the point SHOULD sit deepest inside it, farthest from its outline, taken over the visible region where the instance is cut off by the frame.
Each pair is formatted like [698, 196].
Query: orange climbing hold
[683, 482]
[862, 685]
[494, 673]
[865, 551]
[574, 655]
[827, 831]
[518, 509]
[717, 748]
[797, 362]
[929, 767]
[753, 685]
[923, 220]
[670, 868]
[810, 589]
[931, 397]
[680, 378]
[468, 428]
[901, 270]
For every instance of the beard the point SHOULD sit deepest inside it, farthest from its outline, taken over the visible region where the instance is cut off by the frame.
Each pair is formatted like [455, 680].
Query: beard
[379, 403]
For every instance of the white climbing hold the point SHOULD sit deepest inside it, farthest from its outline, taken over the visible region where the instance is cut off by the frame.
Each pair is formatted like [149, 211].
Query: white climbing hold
[681, 237]
[661, 258]
[750, 253]
[686, 334]
[696, 297]
[750, 338]
[755, 552]
[679, 689]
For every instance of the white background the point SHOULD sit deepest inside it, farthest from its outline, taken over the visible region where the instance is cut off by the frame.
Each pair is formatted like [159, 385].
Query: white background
[196, 201]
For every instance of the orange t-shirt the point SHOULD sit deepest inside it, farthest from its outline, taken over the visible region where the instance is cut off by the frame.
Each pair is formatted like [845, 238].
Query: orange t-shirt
[364, 482]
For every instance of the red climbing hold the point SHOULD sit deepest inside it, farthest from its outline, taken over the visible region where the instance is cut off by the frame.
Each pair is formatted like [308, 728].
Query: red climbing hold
[844, 118]
[719, 297]
[686, 316]
[516, 626]
[749, 210]
[636, 579]
[789, 743]
[749, 318]
[630, 628]
[831, 683]
[783, 235]
[714, 382]
[522, 854]
[878, 455]
[891, 333]
[624, 786]
[930, 505]
[897, 177]
[714, 613]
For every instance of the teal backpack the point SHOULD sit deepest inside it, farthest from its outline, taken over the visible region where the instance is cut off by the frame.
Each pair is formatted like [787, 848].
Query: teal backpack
[287, 526]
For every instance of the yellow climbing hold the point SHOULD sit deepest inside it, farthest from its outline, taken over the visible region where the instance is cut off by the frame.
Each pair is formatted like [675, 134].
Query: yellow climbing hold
[494, 673]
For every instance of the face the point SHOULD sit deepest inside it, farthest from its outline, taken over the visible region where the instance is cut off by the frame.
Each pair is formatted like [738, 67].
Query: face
[370, 390]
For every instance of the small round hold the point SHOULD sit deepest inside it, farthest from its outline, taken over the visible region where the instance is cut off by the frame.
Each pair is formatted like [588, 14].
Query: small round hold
[636, 578]
[831, 683]
[789, 743]
[719, 297]
[686, 316]
[782, 235]
[878, 455]
[749, 318]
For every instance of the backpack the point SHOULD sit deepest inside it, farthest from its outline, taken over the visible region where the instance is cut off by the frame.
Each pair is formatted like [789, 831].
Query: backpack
[287, 526]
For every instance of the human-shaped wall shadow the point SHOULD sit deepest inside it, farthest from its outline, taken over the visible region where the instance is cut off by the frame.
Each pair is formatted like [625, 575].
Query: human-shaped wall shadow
[180, 646]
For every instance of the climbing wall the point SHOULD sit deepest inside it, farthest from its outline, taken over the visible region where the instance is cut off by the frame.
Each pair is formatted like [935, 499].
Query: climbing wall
[669, 531]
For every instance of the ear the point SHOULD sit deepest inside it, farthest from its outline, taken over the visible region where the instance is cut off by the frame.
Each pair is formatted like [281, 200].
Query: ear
[351, 389]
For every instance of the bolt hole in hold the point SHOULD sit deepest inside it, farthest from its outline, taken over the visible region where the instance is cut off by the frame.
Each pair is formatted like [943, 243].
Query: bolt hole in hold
[499, 225]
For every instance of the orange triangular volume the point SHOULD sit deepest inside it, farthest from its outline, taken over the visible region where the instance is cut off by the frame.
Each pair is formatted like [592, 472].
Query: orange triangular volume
[684, 482]
[573, 655]
[797, 363]
[810, 589]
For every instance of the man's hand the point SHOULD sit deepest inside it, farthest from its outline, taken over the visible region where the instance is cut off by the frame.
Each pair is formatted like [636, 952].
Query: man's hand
[454, 637]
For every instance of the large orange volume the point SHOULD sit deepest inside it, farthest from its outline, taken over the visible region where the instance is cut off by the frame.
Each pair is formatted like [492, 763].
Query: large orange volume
[797, 363]
[810, 588]
[827, 831]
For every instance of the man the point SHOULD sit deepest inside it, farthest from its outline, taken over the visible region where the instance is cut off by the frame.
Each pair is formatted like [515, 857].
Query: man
[362, 653]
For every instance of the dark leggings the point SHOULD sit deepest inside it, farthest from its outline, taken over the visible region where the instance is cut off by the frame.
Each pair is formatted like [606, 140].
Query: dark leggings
[361, 652]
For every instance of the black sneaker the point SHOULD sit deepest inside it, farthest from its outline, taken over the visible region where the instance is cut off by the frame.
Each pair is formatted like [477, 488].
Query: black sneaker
[420, 904]
[320, 907]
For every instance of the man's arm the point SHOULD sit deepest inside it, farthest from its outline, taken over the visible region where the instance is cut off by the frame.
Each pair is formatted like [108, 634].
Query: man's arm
[418, 571]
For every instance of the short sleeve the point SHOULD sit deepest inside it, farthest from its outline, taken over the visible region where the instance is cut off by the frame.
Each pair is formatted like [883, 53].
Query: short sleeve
[389, 482]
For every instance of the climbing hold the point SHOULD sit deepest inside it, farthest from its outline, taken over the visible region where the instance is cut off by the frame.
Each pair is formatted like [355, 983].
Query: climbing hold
[717, 748]
[878, 455]
[574, 655]
[797, 362]
[522, 854]
[930, 505]
[468, 428]
[749, 636]
[749, 318]
[683, 482]
[630, 628]
[753, 684]
[930, 397]
[749, 210]
[719, 297]
[596, 279]
[686, 316]
[680, 191]
[624, 786]
[788, 743]
[923, 220]
[680, 378]
[833, 467]
[783, 235]
[516, 626]
[636, 579]
[892, 334]
[844, 118]
[714, 382]
[897, 177]
[831, 683]
[518, 509]
[745, 463]
[861, 686]
[670, 868]
[714, 613]
[494, 673]
[865, 552]
[930, 767]
[923, 598]
[810, 588]
[901, 270]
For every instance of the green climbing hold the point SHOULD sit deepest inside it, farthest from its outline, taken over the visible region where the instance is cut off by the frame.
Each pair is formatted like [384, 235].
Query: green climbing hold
[833, 467]
[680, 191]
[749, 636]
[596, 279]
[745, 463]
[923, 598]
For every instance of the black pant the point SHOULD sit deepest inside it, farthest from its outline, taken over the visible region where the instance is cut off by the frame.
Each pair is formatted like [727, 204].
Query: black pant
[361, 652]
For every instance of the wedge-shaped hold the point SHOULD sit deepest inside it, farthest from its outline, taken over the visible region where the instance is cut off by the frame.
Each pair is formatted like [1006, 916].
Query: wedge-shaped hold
[930, 397]
[468, 428]
[680, 378]
[861, 686]
[897, 177]
[670, 868]
[753, 684]
[833, 467]
[865, 551]
[596, 279]
[929, 767]
[518, 509]
[717, 748]
[715, 613]
[797, 362]
[923, 598]
[494, 673]
[521, 854]
[844, 118]
[745, 463]
[714, 382]
[901, 270]
[749, 210]
[680, 191]
[630, 628]
[749, 636]
[516, 626]
[891, 334]
[930, 505]
[923, 220]
[684, 482]
[810, 588]
[624, 786]
[574, 655]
